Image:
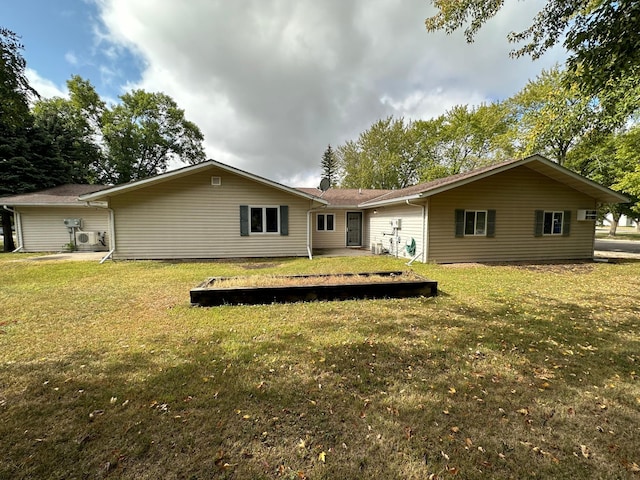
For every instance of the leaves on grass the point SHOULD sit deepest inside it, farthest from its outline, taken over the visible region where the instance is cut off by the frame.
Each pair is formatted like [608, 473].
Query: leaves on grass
[586, 453]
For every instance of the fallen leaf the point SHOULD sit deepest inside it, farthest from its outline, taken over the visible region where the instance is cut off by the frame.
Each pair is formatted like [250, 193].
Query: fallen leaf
[585, 451]
[452, 390]
[455, 429]
[322, 457]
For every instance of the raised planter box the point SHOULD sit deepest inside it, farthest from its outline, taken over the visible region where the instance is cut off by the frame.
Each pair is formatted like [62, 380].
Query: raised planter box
[328, 287]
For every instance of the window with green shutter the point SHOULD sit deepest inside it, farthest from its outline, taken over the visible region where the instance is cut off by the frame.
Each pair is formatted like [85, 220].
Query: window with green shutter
[264, 220]
[475, 223]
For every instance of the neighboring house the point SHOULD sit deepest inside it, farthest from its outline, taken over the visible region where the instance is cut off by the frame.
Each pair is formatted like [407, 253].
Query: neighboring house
[527, 209]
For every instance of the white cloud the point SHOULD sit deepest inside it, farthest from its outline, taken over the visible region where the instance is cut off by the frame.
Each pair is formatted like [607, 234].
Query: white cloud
[71, 58]
[46, 88]
[272, 83]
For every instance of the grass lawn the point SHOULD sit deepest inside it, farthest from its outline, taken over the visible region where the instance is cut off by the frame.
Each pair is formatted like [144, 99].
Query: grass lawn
[511, 372]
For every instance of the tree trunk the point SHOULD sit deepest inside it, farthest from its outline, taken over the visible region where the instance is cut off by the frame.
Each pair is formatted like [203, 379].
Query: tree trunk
[9, 246]
[615, 218]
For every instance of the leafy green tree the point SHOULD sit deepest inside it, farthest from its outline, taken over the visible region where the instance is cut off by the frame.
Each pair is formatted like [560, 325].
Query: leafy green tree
[464, 138]
[628, 154]
[27, 160]
[15, 91]
[551, 117]
[72, 137]
[133, 139]
[329, 166]
[143, 133]
[601, 36]
[384, 157]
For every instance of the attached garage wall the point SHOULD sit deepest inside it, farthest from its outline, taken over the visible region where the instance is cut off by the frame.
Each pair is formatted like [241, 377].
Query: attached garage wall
[188, 217]
[43, 228]
[515, 195]
[410, 228]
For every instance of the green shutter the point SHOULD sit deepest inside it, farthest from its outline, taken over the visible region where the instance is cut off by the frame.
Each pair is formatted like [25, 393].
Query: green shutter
[284, 220]
[539, 225]
[244, 220]
[459, 223]
[566, 223]
[491, 223]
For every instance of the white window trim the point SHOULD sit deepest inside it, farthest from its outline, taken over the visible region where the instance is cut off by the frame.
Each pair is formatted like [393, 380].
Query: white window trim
[264, 219]
[475, 223]
[325, 229]
[553, 214]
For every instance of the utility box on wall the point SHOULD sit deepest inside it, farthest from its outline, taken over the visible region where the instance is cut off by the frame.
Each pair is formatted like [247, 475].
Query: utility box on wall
[73, 222]
[396, 223]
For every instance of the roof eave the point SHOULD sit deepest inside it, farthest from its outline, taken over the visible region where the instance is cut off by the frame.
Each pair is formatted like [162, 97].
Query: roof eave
[380, 203]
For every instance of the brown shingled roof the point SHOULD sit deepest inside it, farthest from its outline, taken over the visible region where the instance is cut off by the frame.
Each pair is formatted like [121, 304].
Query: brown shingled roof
[64, 194]
[345, 197]
[440, 182]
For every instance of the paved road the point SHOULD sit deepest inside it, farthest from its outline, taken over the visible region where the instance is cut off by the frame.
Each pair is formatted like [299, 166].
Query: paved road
[625, 246]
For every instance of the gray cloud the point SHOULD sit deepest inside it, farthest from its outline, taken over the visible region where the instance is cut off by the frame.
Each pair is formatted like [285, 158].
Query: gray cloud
[272, 83]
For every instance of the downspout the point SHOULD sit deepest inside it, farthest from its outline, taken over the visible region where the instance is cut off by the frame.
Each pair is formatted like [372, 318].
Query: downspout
[309, 234]
[17, 220]
[112, 236]
[112, 231]
[424, 239]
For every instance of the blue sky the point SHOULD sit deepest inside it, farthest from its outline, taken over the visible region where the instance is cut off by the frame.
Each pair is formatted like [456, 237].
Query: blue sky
[62, 38]
[271, 83]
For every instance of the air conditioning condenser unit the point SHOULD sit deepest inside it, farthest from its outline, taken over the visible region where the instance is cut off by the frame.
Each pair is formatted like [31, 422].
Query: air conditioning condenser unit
[86, 238]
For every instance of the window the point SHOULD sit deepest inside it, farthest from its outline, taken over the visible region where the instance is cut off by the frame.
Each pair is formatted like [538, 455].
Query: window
[475, 223]
[258, 220]
[264, 220]
[552, 223]
[325, 222]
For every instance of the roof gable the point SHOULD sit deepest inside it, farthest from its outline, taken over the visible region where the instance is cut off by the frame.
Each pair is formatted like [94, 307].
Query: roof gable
[538, 163]
[190, 170]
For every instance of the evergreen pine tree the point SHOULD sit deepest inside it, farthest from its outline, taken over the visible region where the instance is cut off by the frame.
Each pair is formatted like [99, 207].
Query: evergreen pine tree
[329, 166]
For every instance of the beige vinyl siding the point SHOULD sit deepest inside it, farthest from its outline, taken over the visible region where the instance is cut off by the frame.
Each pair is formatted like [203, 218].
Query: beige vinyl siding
[330, 239]
[515, 195]
[188, 217]
[410, 227]
[43, 228]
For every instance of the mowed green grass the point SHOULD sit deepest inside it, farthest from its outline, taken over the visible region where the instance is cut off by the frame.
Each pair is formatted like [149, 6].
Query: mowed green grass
[521, 371]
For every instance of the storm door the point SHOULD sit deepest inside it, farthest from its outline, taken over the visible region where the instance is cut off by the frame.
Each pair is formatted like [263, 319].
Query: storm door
[354, 229]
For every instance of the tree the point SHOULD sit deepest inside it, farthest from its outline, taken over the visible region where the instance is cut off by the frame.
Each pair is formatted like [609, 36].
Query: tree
[27, 161]
[602, 38]
[143, 133]
[131, 140]
[71, 135]
[329, 166]
[15, 90]
[464, 138]
[383, 157]
[551, 117]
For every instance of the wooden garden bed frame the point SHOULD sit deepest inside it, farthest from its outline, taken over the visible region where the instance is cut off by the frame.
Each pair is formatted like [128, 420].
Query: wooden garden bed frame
[303, 288]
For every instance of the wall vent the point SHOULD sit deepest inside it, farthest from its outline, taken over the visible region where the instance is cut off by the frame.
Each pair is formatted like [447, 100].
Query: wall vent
[216, 181]
[587, 215]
